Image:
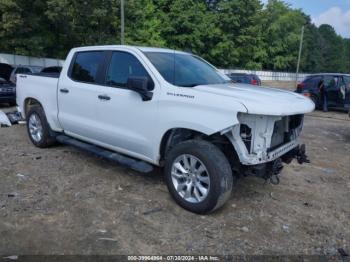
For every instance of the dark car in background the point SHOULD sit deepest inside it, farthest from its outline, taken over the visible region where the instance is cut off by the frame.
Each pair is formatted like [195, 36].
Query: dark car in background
[52, 69]
[22, 69]
[7, 89]
[335, 86]
[245, 78]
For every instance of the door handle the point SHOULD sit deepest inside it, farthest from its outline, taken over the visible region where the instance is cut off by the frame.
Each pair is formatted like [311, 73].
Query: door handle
[64, 90]
[104, 97]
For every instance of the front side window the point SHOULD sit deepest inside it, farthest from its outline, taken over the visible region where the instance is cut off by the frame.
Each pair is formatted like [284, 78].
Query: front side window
[124, 65]
[184, 69]
[347, 80]
[331, 82]
[86, 66]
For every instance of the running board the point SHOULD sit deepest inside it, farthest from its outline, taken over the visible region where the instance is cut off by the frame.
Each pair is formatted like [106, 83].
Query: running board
[137, 165]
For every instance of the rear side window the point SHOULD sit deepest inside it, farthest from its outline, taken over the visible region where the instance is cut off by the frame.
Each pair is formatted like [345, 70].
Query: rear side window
[124, 65]
[86, 65]
[347, 80]
[240, 78]
[331, 81]
[22, 70]
[313, 82]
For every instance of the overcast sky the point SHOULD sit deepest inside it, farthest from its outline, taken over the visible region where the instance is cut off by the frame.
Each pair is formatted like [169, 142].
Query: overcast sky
[333, 12]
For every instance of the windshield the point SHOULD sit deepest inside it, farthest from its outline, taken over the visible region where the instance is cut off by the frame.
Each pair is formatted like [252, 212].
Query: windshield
[185, 69]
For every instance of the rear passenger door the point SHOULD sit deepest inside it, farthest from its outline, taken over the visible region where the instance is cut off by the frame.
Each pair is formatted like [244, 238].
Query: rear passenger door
[332, 84]
[78, 94]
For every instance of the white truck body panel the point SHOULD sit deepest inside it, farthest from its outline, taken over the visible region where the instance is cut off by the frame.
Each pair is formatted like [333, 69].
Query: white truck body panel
[43, 89]
[131, 126]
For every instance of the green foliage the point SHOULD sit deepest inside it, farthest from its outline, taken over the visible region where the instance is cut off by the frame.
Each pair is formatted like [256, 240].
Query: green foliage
[143, 24]
[332, 49]
[282, 35]
[228, 33]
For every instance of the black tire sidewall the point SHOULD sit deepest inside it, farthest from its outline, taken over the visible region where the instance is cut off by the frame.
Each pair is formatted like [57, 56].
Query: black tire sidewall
[315, 99]
[46, 139]
[216, 174]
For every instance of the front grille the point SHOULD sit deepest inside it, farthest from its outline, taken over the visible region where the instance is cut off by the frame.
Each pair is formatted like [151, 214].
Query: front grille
[278, 134]
[283, 131]
[246, 135]
[295, 121]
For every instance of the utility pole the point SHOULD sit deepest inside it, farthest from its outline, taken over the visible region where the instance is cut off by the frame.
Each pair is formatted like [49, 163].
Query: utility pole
[122, 25]
[299, 56]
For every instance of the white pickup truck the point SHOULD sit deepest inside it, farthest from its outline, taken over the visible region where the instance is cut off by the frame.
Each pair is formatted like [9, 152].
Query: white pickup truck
[145, 107]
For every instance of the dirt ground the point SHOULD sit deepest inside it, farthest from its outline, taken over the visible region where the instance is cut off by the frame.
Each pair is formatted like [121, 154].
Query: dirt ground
[289, 85]
[65, 201]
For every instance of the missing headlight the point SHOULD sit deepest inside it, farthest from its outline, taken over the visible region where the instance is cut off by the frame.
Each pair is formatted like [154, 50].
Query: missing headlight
[246, 135]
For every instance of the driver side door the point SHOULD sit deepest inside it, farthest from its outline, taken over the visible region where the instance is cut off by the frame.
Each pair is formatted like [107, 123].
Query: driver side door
[124, 118]
[332, 89]
[347, 91]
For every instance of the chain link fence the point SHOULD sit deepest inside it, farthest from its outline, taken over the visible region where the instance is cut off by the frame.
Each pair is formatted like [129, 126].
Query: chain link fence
[17, 60]
[269, 75]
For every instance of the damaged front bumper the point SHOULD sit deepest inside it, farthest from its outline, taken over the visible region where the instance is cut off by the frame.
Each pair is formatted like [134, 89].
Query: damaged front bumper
[271, 170]
[264, 143]
[261, 139]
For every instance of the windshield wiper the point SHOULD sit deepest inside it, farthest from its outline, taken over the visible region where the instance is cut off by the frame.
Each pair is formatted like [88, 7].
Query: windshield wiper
[191, 85]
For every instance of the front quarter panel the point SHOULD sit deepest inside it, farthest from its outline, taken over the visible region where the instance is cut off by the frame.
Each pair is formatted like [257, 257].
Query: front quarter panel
[203, 112]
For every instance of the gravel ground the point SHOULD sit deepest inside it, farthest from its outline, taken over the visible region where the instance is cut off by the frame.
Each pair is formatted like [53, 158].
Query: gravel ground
[64, 201]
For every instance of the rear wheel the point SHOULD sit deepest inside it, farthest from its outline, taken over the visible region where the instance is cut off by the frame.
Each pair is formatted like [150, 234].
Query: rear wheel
[198, 176]
[38, 129]
[316, 101]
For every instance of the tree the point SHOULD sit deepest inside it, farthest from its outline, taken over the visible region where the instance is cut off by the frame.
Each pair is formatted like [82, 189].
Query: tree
[240, 24]
[228, 33]
[22, 30]
[144, 25]
[183, 24]
[347, 56]
[311, 59]
[332, 50]
[282, 26]
[79, 22]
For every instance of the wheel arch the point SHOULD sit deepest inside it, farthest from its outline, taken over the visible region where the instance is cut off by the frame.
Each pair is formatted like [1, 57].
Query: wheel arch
[175, 136]
[30, 102]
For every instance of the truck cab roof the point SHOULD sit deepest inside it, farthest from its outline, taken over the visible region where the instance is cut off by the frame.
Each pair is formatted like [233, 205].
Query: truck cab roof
[130, 47]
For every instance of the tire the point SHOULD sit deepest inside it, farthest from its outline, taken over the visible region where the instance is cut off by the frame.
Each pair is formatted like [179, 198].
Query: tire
[45, 139]
[316, 101]
[218, 176]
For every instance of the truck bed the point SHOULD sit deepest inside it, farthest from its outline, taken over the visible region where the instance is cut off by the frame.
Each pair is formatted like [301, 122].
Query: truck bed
[53, 75]
[40, 87]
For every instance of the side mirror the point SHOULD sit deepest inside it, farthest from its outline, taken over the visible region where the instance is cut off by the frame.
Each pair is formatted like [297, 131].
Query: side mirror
[140, 85]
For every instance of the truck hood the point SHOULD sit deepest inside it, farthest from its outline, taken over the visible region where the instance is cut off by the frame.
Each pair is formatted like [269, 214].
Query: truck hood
[262, 100]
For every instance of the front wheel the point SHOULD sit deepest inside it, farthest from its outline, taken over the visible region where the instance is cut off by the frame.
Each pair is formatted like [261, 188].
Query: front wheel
[198, 176]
